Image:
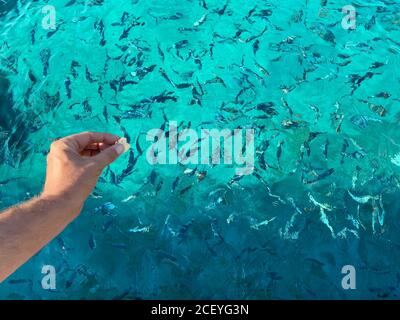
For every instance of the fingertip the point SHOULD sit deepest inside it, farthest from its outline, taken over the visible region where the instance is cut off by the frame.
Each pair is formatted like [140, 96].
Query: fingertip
[119, 148]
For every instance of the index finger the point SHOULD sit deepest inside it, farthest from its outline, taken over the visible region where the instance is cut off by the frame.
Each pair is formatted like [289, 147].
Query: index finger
[81, 140]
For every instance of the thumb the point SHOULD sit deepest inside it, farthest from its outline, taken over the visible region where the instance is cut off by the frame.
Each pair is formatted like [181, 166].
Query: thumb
[107, 156]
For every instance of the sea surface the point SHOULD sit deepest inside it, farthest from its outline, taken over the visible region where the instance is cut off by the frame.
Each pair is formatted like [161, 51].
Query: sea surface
[323, 101]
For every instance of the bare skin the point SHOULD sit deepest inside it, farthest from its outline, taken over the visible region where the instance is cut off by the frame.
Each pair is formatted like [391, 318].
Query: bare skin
[74, 165]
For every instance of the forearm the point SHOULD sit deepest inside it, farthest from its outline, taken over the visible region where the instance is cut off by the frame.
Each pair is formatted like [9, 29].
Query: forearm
[28, 227]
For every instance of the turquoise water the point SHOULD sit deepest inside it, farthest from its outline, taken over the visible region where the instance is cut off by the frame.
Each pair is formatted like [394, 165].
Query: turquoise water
[323, 103]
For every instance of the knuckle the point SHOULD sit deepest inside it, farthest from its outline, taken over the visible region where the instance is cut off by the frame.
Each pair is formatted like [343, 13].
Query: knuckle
[59, 150]
[55, 146]
[90, 134]
[58, 146]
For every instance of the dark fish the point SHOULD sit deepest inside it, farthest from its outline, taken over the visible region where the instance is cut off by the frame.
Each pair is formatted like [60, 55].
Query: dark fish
[256, 46]
[181, 44]
[33, 32]
[86, 106]
[370, 23]
[124, 17]
[216, 80]
[67, 83]
[61, 243]
[160, 52]
[99, 25]
[107, 225]
[250, 13]
[200, 87]
[126, 134]
[183, 85]
[165, 76]
[70, 281]
[222, 10]
[384, 95]
[343, 64]
[141, 71]
[152, 177]
[32, 77]
[72, 105]
[113, 178]
[182, 29]
[92, 242]
[138, 148]
[100, 90]
[313, 134]
[184, 190]
[176, 16]
[288, 124]
[88, 75]
[235, 178]
[325, 149]
[175, 184]
[267, 107]
[377, 64]
[261, 160]
[161, 98]
[126, 31]
[119, 245]
[203, 4]
[158, 187]
[19, 281]
[321, 176]
[378, 109]
[70, 3]
[357, 80]
[344, 148]
[51, 33]
[105, 113]
[74, 65]
[96, 3]
[45, 55]
[182, 232]
[114, 85]
[274, 275]
[286, 105]
[122, 48]
[211, 50]
[129, 169]
[199, 63]
[325, 34]
[251, 38]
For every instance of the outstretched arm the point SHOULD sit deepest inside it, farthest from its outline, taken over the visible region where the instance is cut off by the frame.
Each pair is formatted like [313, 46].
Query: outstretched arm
[74, 165]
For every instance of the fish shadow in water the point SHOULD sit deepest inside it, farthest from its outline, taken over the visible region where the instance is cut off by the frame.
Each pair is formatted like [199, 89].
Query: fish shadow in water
[12, 125]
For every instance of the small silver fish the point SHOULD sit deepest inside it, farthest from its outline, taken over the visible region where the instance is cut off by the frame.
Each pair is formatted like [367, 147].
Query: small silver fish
[200, 21]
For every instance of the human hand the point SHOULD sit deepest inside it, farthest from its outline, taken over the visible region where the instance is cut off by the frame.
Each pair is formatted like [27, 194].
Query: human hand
[75, 163]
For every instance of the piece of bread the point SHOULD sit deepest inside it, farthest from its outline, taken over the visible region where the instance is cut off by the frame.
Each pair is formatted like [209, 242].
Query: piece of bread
[123, 142]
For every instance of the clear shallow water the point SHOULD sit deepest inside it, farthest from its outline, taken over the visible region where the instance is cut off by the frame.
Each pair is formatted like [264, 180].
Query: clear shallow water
[210, 242]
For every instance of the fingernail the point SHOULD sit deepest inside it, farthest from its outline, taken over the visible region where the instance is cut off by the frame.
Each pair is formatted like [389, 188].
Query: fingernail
[119, 148]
